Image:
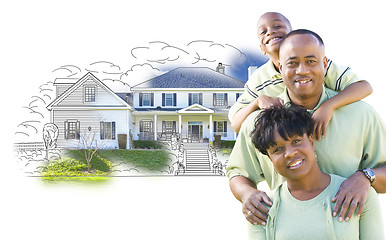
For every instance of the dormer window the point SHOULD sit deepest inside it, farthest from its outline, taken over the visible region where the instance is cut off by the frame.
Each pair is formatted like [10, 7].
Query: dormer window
[89, 94]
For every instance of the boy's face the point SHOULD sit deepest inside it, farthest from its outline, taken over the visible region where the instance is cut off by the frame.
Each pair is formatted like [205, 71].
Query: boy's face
[271, 28]
[292, 158]
[303, 65]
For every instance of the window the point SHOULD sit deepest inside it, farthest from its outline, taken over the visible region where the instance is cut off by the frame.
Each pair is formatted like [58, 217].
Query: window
[220, 99]
[107, 130]
[72, 129]
[146, 126]
[220, 127]
[169, 99]
[169, 126]
[146, 99]
[195, 98]
[238, 95]
[89, 94]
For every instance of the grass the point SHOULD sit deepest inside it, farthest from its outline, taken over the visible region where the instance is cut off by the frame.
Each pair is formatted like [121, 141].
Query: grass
[72, 167]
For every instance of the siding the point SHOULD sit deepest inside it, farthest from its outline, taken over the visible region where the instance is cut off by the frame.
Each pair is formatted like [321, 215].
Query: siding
[102, 98]
[92, 119]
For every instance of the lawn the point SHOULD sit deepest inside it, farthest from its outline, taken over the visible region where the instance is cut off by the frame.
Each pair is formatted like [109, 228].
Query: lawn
[73, 167]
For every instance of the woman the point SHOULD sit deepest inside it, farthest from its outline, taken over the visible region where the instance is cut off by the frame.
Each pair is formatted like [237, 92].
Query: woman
[302, 207]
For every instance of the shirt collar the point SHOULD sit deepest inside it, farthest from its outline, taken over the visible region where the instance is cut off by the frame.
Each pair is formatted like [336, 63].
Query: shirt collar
[287, 99]
[272, 71]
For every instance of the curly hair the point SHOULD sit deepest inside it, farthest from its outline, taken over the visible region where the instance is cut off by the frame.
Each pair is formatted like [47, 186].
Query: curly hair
[288, 120]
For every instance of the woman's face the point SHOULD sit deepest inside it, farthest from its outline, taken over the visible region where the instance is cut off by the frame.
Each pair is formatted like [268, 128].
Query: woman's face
[292, 158]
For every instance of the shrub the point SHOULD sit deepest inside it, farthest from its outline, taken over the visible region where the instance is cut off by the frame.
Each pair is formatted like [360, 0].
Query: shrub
[227, 143]
[148, 144]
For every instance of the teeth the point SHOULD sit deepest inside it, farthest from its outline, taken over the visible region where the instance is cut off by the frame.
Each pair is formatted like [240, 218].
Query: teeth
[295, 163]
[273, 39]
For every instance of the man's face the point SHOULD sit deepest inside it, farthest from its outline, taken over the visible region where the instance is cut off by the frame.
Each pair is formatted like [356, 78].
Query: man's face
[303, 65]
[271, 28]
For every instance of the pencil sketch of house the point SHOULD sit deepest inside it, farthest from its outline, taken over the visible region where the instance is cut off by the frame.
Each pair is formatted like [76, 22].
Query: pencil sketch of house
[190, 102]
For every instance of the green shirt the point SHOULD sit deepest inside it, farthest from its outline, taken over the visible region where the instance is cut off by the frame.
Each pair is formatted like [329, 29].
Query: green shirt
[355, 139]
[290, 218]
[267, 81]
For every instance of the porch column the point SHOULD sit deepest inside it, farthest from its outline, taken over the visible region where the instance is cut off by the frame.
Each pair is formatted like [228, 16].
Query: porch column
[179, 125]
[210, 128]
[155, 127]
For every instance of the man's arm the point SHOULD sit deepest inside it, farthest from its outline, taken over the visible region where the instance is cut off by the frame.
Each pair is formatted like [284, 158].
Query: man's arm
[251, 198]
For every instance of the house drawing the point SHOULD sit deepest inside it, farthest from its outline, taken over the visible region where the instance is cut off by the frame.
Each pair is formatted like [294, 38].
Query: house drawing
[188, 102]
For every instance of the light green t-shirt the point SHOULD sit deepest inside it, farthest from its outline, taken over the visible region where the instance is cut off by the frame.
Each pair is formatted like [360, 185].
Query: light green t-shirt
[292, 219]
[267, 81]
[355, 139]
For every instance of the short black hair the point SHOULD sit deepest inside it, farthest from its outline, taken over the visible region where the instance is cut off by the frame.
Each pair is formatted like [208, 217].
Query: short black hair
[302, 32]
[288, 120]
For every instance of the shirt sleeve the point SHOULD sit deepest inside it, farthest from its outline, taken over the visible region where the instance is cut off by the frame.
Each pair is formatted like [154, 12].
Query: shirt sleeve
[243, 160]
[370, 222]
[244, 99]
[374, 151]
[256, 232]
[339, 77]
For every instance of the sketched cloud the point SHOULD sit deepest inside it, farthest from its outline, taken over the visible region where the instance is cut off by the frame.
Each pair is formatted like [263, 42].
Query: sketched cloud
[67, 71]
[139, 73]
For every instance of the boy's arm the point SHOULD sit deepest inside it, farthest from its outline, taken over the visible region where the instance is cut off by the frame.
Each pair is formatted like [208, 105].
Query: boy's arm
[261, 102]
[352, 93]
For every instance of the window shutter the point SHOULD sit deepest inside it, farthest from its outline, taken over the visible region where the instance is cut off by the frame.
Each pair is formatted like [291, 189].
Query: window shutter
[225, 126]
[152, 99]
[214, 99]
[77, 130]
[225, 99]
[113, 130]
[66, 130]
[163, 99]
[190, 99]
[215, 125]
[140, 126]
[237, 96]
[200, 100]
[102, 135]
[140, 99]
[174, 99]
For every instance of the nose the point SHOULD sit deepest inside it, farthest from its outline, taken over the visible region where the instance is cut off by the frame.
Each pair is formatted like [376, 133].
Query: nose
[270, 30]
[290, 152]
[302, 69]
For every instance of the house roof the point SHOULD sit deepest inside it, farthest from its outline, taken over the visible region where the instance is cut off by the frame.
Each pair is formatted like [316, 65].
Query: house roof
[192, 77]
[88, 76]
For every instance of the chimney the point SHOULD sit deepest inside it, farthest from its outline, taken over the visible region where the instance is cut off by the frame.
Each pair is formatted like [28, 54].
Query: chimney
[251, 69]
[220, 68]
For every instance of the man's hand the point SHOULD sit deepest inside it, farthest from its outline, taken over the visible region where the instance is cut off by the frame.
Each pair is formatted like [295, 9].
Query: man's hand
[265, 102]
[253, 208]
[322, 117]
[352, 192]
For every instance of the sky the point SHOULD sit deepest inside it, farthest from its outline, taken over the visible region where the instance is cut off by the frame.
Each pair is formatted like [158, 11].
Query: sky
[132, 40]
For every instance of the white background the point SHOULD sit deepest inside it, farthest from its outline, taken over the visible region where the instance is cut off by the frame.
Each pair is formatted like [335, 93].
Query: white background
[39, 36]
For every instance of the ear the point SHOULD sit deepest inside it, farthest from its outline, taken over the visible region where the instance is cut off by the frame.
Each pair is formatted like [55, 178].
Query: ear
[325, 63]
[311, 138]
[280, 66]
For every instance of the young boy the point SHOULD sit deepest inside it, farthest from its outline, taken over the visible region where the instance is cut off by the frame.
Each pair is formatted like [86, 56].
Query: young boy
[261, 91]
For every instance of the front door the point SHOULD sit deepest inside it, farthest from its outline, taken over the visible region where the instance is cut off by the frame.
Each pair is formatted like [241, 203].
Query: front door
[195, 133]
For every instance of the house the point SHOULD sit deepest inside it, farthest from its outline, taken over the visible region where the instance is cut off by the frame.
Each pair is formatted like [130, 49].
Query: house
[88, 107]
[188, 102]
[191, 101]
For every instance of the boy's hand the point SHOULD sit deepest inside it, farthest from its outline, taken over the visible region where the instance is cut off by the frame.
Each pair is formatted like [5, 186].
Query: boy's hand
[322, 117]
[265, 102]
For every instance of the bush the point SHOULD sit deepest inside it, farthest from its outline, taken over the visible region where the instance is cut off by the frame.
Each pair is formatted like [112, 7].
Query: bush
[227, 143]
[148, 144]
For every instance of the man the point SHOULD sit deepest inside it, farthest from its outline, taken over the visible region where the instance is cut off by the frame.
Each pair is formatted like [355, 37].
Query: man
[354, 138]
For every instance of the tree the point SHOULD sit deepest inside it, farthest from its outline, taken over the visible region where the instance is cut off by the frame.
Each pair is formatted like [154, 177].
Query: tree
[50, 136]
[89, 144]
